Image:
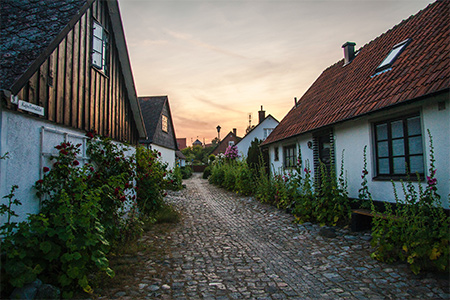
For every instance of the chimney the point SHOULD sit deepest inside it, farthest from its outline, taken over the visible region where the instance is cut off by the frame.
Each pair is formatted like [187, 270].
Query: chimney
[261, 115]
[349, 52]
[235, 131]
[295, 101]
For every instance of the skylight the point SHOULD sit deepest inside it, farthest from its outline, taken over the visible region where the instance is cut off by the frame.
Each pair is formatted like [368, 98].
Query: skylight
[392, 56]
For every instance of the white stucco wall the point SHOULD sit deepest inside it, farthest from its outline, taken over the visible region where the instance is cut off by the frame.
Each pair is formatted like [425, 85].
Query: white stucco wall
[167, 155]
[257, 132]
[352, 136]
[20, 136]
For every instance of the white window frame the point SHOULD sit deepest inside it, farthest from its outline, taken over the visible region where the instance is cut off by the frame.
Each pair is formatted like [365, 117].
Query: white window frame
[99, 46]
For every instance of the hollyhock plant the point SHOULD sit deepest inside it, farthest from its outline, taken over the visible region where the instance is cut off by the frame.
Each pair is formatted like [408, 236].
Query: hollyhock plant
[232, 152]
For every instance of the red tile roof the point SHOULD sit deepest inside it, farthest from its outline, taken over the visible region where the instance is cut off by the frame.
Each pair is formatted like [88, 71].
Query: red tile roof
[343, 93]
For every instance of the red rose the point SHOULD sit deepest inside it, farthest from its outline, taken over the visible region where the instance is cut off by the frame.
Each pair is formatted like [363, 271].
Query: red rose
[117, 158]
[46, 169]
[122, 198]
[40, 181]
[76, 162]
[89, 135]
[116, 191]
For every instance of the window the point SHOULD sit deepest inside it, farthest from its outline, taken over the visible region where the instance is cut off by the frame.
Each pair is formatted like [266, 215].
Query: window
[290, 156]
[276, 158]
[99, 47]
[267, 131]
[398, 147]
[164, 123]
[392, 56]
[230, 143]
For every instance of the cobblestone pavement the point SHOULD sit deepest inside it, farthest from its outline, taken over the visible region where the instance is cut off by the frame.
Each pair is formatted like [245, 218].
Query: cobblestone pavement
[233, 247]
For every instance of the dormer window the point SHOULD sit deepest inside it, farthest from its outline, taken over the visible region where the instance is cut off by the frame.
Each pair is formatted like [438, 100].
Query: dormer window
[99, 47]
[392, 56]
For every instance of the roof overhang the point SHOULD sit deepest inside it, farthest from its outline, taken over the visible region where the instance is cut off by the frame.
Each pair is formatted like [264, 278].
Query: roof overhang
[116, 20]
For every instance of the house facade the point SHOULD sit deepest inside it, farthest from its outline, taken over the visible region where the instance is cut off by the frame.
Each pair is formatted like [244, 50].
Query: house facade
[229, 140]
[160, 129]
[261, 131]
[385, 97]
[64, 71]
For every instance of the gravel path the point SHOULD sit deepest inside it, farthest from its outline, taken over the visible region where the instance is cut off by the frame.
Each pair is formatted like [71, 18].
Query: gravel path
[233, 247]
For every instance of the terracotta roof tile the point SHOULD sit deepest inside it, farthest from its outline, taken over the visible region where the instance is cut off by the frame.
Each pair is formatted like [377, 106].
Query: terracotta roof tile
[341, 93]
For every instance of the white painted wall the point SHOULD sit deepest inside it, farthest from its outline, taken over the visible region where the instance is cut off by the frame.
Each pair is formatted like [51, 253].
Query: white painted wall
[20, 136]
[352, 136]
[167, 155]
[257, 132]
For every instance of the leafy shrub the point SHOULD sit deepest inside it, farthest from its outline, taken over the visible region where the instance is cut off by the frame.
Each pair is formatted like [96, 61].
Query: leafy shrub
[417, 230]
[186, 172]
[206, 172]
[174, 179]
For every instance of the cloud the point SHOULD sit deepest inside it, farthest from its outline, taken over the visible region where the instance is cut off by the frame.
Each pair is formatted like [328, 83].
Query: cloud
[198, 43]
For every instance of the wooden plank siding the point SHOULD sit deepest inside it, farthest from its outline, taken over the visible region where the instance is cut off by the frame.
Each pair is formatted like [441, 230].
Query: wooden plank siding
[74, 93]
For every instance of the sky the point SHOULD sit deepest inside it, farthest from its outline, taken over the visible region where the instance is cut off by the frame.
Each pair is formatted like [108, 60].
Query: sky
[219, 60]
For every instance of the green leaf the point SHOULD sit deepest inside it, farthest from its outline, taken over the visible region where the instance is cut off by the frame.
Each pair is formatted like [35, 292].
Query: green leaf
[45, 247]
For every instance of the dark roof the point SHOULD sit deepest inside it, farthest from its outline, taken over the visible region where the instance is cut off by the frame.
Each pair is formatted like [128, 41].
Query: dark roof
[345, 92]
[152, 109]
[28, 28]
[180, 155]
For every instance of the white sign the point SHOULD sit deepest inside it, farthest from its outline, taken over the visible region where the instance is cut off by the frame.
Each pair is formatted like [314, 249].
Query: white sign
[39, 110]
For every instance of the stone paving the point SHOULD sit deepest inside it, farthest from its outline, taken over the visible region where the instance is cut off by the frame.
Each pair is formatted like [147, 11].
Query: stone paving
[233, 247]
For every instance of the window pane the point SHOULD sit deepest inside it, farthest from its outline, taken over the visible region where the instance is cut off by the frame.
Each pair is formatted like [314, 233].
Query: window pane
[399, 165]
[98, 30]
[415, 145]
[414, 126]
[383, 150]
[382, 132]
[416, 164]
[97, 44]
[397, 129]
[97, 59]
[383, 165]
[398, 147]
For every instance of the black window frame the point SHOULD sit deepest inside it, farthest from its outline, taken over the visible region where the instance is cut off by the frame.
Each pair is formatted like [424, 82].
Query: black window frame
[289, 156]
[390, 156]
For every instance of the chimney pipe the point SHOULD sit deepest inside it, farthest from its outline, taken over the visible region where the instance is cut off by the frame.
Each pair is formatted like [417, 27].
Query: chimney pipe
[261, 115]
[235, 131]
[295, 101]
[349, 52]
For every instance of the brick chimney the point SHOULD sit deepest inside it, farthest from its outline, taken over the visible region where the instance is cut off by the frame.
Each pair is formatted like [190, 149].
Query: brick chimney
[235, 131]
[349, 52]
[261, 115]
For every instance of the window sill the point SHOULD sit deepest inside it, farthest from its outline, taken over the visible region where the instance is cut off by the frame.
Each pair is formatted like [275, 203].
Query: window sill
[412, 178]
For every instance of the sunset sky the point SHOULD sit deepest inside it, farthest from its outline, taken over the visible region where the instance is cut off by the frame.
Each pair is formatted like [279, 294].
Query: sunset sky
[218, 61]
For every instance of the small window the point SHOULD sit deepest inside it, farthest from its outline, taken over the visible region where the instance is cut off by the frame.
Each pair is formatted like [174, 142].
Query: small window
[267, 132]
[277, 157]
[392, 56]
[164, 123]
[290, 156]
[230, 143]
[398, 147]
[99, 47]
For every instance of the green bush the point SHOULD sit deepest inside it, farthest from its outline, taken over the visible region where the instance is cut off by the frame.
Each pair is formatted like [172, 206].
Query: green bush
[186, 172]
[206, 172]
[174, 179]
[416, 231]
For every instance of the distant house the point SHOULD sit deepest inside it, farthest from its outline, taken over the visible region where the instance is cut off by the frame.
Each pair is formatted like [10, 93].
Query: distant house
[261, 131]
[197, 143]
[181, 143]
[64, 70]
[159, 125]
[180, 159]
[385, 96]
[229, 140]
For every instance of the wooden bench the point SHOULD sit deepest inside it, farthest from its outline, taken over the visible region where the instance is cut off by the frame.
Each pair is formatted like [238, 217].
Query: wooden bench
[362, 219]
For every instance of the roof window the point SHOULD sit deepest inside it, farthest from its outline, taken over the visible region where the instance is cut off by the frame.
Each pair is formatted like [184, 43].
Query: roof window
[392, 56]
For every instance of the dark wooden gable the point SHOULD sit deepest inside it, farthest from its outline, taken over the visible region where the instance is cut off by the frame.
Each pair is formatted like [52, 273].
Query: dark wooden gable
[153, 110]
[71, 90]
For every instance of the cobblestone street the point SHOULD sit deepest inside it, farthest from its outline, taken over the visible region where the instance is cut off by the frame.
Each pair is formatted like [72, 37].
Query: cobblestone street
[232, 247]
